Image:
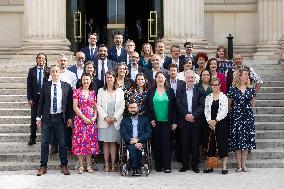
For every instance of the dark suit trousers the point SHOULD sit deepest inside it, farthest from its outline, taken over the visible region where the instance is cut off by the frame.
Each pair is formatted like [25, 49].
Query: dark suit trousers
[56, 125]
[162, 145]
[33, 126]
[190, 136]
[135, 156]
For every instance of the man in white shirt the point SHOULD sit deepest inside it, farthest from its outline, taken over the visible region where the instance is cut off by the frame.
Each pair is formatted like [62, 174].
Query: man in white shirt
[117, 52]
[78, 68]
[66, 75]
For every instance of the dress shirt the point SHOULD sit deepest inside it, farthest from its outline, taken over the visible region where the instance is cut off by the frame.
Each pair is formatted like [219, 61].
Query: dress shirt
[69, 77]
[174, 85]
[80, 72]
[128, 61]
[59, 98]
[42, 75]
[189, 95]
[118, 51]
[135, 126]
[94, 49]
[134, 72]
[154, 73]
[100, 67]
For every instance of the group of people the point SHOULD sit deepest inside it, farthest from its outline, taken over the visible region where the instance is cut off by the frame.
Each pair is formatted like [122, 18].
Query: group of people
[113, 94]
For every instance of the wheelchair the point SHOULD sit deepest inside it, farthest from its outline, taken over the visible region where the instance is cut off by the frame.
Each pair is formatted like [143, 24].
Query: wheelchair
[146, 163]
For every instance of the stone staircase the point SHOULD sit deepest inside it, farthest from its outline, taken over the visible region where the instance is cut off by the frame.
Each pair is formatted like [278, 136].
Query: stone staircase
[15, 154]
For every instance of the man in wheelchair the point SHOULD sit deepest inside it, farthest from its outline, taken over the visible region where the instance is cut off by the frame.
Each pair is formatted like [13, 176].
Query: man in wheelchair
[135, 131]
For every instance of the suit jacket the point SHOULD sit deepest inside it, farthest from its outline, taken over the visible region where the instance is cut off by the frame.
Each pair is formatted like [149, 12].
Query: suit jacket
[112, 54]
[111, 65]
[87, 53]
[32, 86]
[149, 105]
[168, 61]
[45, 101]
[143, 127]
[198, 101]
[102, 100]
[149, 75]
[73, 69]
[180, 83]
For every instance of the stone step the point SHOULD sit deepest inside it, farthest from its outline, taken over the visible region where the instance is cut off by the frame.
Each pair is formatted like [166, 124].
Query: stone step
[270, 96]
[13, 98]
[272, 89]
[269, 110]
[269, 117]
[278, 77]
[269, 143]
[15, 74]
[269, 125]
[13, 86]
[15, 128]
[16, 147]
[270, 134]
[13, 91]
[15, 112]
[273, 84]
[266, 71]
[15, 119]
[13, 80]
[17, 137]
[14, 105]
[269, 103]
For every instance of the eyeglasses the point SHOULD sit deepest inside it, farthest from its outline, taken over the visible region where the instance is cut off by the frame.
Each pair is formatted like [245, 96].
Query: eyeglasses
[80, 58]
[214, 85]
[137, 57]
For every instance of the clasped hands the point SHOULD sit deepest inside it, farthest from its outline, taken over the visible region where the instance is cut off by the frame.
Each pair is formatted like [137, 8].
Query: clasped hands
[212, 124]
[135, 141]
[153, 123]
[189, 117]
[90, 121]
[110, 120]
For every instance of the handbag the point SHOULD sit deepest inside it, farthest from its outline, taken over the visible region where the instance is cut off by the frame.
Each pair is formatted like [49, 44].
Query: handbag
[213, 162]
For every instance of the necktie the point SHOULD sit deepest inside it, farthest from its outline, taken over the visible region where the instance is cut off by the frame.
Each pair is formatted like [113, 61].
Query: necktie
[54, 108]
[103, 72]
[92, 52]
[39, 83]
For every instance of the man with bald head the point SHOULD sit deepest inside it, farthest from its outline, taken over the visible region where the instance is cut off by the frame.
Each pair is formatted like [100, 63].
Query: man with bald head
[190, 105]
[156, 67]
[78, 68]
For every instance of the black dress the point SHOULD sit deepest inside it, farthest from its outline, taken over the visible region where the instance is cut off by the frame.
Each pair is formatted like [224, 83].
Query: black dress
[220, 134]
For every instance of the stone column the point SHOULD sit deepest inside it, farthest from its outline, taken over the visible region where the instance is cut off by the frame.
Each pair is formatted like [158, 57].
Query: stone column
[45, 27]
[184, 21]
[269, 29]
[282, 36]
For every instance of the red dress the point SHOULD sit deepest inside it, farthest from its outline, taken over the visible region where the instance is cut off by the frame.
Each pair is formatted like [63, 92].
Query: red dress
[85, 137]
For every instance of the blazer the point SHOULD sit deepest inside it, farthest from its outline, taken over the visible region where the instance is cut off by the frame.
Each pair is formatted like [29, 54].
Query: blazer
[168, 61]
[222, 110]
[198, 101]
[180, 83]
[149, 75]
[111, 65]
[45, 101]
[143, 127]
[149, 105]
[102, 100]
[87, 53]
[112, 54]
[32, 88]
[140, 69]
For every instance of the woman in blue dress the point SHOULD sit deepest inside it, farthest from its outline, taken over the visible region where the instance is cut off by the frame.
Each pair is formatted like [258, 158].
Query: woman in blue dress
[242, 131]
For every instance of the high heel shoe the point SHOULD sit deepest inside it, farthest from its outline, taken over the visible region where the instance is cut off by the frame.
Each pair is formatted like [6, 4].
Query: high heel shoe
[106, 168]
[239, 169]
[208, 170]
[89, 169]
[113, 168]
[244, 169]
[81, 170]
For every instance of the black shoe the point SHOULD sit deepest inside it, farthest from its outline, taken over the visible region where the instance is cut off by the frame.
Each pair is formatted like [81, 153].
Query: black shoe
[158, 169]
[54, 149]
[183, 169]
[195, 169]
[138, 172]
[207, 170]
[134, 173]
[225, 171]
[31, 142]
[167, 170]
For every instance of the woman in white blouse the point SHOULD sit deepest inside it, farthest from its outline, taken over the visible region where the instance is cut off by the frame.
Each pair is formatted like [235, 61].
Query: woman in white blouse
[110, 106]
[216, 110]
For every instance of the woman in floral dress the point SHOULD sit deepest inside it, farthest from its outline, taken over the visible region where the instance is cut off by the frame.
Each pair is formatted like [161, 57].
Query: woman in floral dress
[85, 132]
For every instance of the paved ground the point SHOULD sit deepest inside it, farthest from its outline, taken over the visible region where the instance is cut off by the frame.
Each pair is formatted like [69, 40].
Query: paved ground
[256, 179]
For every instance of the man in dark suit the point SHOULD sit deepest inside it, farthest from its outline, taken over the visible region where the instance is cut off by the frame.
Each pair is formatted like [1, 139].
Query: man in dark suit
[103, 64]
[91, 51]
[160, 50]
[190, 105]
[78, 68]
[175, 59]
[54, 111]
[150, 74]
[189, 54]
[175, 83]
[135, 131]
[134, 68]
[36, 77]
[117, 53]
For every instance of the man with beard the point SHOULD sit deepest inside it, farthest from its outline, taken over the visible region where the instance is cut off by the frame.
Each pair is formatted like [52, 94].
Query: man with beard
[117, 52]
[103, 64]
[135, 131]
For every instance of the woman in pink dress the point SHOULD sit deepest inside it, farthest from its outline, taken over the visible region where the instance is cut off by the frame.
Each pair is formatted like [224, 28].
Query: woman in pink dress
[85, 132]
